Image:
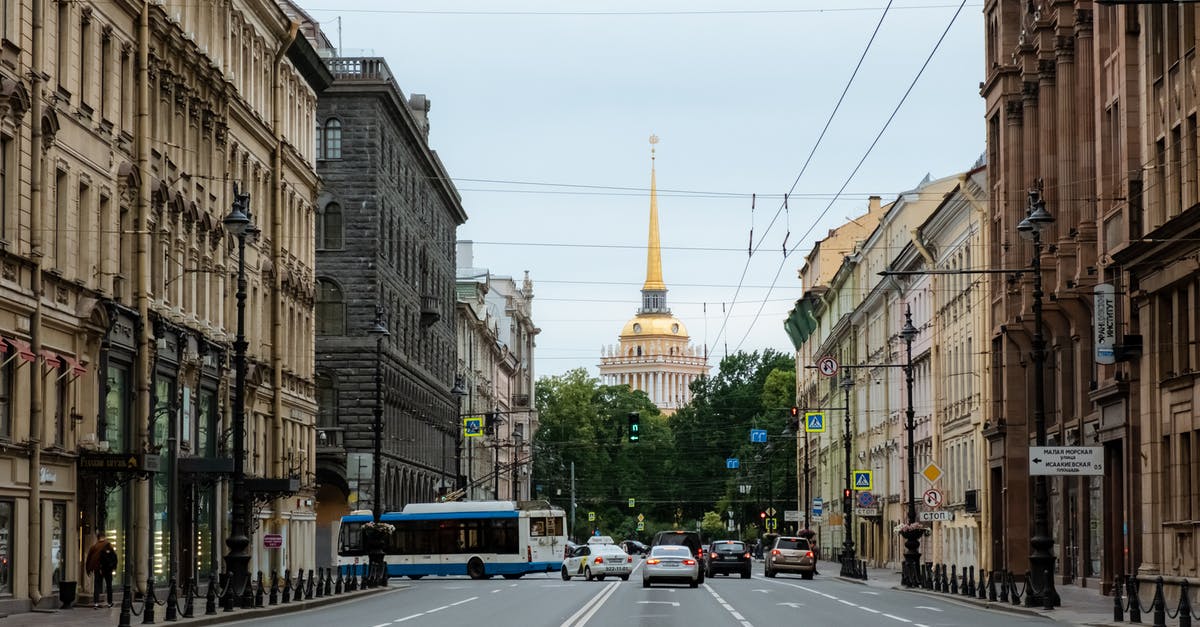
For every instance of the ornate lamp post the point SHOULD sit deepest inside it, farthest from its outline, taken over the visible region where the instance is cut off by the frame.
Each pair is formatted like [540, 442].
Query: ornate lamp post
[848, 492]
[912, 536]
[237, 560]
[1041, 543]
[378, 568]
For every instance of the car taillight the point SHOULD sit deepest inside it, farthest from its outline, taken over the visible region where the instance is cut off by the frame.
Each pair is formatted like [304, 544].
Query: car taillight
[774, 551]
[599, 560]
[746, 555]
[653, 560]
[628, 560]
[713, 555]
[809, 554]
[689, 562]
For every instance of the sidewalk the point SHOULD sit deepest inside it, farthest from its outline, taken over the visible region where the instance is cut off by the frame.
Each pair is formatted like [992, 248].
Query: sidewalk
[86, 616]
[1080, 606]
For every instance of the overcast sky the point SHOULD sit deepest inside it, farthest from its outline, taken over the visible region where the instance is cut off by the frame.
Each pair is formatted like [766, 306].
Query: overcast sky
[541, 111]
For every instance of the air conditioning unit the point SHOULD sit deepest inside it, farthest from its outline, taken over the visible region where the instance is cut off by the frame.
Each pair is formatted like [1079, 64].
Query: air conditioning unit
[971, 501]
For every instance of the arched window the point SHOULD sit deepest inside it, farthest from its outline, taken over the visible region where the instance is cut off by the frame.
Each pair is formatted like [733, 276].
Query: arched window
[329, 227]
[333, 139]
[331, 310]
[327, 402]
[639, 351]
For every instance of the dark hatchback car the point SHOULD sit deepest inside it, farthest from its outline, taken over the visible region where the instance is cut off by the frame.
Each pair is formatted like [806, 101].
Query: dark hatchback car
[690, 539]
[633, 547]
[727, 556]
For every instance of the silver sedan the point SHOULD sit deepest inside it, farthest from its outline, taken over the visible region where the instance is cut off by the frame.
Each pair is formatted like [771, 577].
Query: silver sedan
[670, 563]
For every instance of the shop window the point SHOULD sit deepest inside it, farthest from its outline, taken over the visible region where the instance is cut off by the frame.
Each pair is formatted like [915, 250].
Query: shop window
[7, 550]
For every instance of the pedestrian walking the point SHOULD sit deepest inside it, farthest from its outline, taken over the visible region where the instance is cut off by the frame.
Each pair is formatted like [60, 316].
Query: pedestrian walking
[101, 562]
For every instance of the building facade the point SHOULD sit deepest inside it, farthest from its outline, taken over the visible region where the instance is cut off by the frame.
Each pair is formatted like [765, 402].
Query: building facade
[654, 353]
[123, 128]
[385, 224]
[496, 340]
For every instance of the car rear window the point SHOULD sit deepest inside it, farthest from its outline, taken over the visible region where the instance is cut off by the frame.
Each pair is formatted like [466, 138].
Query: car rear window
[797, 544]
[667, 549]
[730, 547]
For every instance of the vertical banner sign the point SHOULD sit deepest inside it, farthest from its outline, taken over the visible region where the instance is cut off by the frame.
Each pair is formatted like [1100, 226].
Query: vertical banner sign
[1104, 321]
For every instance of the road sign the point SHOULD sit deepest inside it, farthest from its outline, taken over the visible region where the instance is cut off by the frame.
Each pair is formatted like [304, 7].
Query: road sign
[932, 497]
[814, 422]
[932, 472]
[818, 506]
[473, 426]
[770, 511]
[758, 435]
[272, 541]
[939, 516]
[866, 511]
[791, 515]
[641, 517]
[862, 480]
[827, 365]
[1066, 460]
[866, 499]
[772, 523]
[632, 502]
[732, 463]
[641, 526]
[591, 516]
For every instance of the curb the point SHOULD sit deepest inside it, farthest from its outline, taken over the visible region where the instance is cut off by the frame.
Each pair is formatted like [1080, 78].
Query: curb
[272, 610]
[998, 606]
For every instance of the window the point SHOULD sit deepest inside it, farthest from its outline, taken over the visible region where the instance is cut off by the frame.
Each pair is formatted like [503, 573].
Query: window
[116, 411]
[58, 544]
[6, 398]
[205, 424]
[62, 401]
[85, 41]
[333, 139]
[5, 160]
[319, 139]
[330, 311]
[7, 548]
[326, 402]
[61, 195]
[63, 44]
[329, 227]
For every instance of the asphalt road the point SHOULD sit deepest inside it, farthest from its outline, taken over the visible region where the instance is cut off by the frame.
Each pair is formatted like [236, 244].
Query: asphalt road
[547, 601]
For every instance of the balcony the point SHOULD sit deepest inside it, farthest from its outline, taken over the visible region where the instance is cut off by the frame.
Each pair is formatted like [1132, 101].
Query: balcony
[430, 311]
[359, 69]
[520, 400]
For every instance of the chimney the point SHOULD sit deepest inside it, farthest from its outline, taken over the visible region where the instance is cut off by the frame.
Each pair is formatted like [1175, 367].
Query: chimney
[419, 105]
[465, 254]
[873, 205]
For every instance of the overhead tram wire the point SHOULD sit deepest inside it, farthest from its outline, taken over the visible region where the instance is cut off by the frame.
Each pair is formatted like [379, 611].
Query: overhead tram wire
[854, 172]
[796, 181]
[648, 13]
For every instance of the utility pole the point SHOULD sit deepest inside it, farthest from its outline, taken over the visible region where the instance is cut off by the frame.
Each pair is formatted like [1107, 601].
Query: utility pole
[572, 529]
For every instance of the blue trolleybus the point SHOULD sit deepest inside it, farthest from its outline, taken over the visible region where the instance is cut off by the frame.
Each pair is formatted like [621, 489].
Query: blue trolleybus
[479, 539]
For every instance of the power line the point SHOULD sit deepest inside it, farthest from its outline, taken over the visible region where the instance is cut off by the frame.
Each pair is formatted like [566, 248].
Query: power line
[646, 13]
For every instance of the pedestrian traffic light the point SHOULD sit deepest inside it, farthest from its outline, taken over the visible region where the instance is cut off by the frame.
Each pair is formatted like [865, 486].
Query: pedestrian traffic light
[795, 412]
[846, 493]
[635, 426]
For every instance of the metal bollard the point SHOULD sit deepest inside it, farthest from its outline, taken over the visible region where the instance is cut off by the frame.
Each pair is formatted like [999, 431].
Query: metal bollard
[149, 603]
[1185, 605]
[337, 587]
[273, 594]
[991, 586]
[1135, 603]
[308, 592]
[320, 582]
[1159, 604]
[227, 596]
[954, 579]
[299, 596]
[172, 614]
[1118, 608]
[126, 607]
[1004, 586]
[1047, 598]
[946, 577]
[970, 581]
[210, 597]
[189, 599]
[353, 585]
[287, 586]
[258, 591]
[328, 582]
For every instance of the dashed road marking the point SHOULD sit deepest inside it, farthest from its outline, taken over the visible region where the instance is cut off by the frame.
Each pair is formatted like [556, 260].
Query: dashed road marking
[401, 620]
[894, 617]
[729, 608]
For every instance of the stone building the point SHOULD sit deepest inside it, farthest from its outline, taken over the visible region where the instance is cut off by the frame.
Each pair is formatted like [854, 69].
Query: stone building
[123, 129]
[654, 353]
[496, 339]
[385, 230]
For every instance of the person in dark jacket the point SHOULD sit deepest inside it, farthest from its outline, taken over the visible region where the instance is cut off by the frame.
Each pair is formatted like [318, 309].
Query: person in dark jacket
[101, 562]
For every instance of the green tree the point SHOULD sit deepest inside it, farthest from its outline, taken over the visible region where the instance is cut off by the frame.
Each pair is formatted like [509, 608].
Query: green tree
[712, 527]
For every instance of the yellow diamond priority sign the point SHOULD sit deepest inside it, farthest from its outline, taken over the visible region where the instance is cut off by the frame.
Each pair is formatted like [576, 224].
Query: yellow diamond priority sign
[932, 472]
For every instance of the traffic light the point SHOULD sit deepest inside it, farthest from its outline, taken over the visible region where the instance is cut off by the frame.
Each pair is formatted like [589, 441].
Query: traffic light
[846, 493]
[635, 426]
[762, 515]
[795, 412]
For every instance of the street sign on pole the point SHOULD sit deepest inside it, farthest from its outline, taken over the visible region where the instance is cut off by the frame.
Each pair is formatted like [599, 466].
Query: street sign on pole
[939, 516]
[732, 463]
[932, 497]
[828, 365]
[272, 541]
[758, 435]
[591, 516]
[862, 480]
[1066, 460]
[791, 515]
[770, 511]
[814, 422]
[932, 472]
[632, 502]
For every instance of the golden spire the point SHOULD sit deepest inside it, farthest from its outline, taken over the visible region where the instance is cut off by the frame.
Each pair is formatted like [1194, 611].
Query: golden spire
[654, 280]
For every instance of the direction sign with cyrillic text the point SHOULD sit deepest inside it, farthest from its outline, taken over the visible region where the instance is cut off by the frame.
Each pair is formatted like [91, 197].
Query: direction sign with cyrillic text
[1066, 460]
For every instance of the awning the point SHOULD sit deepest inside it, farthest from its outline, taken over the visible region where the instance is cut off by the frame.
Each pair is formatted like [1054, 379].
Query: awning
[23, 349]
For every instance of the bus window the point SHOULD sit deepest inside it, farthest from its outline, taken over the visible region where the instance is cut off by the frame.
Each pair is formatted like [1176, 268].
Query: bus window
[350, 539]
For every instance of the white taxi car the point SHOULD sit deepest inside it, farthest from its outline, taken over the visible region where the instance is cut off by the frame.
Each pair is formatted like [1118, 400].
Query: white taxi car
[597, 561]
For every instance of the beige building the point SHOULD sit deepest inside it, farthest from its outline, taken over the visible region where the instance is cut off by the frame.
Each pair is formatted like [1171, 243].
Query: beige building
[123, 129]
[654, 353]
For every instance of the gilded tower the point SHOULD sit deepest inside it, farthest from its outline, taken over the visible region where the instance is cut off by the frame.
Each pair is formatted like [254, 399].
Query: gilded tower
[653, 353]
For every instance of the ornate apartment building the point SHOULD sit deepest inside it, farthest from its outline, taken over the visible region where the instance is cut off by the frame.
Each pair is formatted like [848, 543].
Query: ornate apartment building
[123, 129]
[496, 340]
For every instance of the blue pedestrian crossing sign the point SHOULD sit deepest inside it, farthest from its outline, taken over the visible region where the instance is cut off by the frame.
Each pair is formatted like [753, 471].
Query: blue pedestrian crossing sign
[473, 426]
[758, 435]
[862, 479]
[732, 463]
[814, 422]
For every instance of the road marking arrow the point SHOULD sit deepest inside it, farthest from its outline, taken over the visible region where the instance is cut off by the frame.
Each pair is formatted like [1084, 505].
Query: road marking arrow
[791, 604]
[671, 603]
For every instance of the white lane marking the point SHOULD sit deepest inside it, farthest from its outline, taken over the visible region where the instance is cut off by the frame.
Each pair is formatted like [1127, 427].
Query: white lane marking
[383, 625]
[495, 591]
[869, 592]
[401, 620]
[762, 591]
[863, 607]
[463, 601]
[845, 602]
[512, 585]
[436, 609]
[581, 617]
[791, 604]
[894, 617]
[671, 603]
[926, 607]
[920, 625]
[729, 608]
[830, 596]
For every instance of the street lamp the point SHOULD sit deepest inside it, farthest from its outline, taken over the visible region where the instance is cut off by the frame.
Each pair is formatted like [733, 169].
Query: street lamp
[1041, 543]
[458, 392]
[237, 560]
[912, 536]
[848, 569]
[380, 331]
